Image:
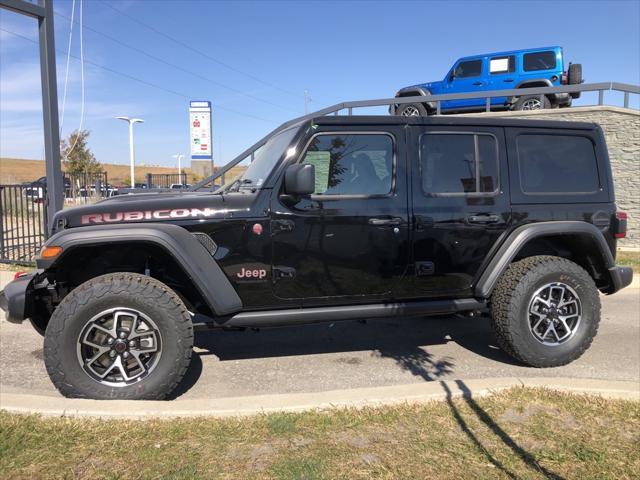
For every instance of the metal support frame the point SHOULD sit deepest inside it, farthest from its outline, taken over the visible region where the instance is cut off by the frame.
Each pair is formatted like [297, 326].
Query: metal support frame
[437, 99]
[43, 12]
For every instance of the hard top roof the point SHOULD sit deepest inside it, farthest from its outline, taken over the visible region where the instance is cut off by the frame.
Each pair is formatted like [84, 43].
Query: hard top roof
[450, 121]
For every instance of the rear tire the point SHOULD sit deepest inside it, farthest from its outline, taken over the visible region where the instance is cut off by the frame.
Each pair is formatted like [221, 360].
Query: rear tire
[532, 102]
[545, 311]
[119, 336]
[412, 110]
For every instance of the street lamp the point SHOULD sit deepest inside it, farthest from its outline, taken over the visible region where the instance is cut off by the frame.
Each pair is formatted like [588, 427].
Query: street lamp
[131, 121]
[179, 157]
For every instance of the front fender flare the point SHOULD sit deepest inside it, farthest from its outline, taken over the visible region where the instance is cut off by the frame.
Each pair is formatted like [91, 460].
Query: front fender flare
[196, 262]
[505, 254]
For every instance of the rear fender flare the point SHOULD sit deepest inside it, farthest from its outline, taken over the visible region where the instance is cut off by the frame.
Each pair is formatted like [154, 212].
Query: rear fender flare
[514, 243]
[197, 263]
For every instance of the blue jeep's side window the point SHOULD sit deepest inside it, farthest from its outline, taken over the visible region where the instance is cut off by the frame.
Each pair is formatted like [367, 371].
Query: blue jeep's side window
[539, 61]
[453, 163]
[471, 68]
[554, 164]
[502, 64]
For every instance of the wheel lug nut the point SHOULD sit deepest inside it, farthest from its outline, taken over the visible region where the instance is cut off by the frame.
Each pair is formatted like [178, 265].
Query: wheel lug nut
[112, 353]
[125, 354]
[110, 341]
[123, 334]
[132, 343]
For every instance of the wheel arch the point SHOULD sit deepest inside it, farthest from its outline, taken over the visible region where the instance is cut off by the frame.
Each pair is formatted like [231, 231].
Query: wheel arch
[417, 92]
[170, 243]
[577, 241]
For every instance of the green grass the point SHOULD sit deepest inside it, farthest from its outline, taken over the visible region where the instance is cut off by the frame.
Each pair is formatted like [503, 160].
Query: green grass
[630, 259]
[521, 433]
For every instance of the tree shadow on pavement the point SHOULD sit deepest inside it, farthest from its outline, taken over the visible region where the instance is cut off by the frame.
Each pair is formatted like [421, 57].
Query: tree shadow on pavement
[406, 340]
[485, 418]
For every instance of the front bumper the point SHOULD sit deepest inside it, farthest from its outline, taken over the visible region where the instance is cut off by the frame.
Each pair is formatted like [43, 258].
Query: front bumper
[620, 277]
[13, 298]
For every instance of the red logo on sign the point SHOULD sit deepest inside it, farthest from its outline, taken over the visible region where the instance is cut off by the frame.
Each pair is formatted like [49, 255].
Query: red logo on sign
[196, 123]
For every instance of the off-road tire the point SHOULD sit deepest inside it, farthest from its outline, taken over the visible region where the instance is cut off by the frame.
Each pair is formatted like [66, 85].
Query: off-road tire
[510, 316]
[126, 290]
[574, 77]
[403, 110]
[522, 101]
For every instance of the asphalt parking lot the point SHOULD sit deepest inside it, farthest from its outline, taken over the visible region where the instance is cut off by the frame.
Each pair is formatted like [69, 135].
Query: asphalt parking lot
[352, 354]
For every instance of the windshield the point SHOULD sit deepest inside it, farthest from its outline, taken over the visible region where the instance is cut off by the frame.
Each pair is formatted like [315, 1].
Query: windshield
[265, 160]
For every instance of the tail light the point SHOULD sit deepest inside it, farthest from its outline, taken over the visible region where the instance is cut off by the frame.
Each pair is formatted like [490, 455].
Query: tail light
[19, 274]
[565, 78]
[621, 225]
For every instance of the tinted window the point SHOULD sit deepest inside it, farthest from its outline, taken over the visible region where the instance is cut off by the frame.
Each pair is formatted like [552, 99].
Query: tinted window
[502, 64]
[360, 164]
[472, 68]
[449, 163]
[539, 61]
[557, 164]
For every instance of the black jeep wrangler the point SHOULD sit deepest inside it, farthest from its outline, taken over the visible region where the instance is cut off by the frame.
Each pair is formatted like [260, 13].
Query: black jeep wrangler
[337, 218]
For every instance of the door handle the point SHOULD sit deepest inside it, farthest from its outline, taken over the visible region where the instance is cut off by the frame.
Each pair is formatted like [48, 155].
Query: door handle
[483, 218]
[385, 222]
[478, 83]
[508, 80]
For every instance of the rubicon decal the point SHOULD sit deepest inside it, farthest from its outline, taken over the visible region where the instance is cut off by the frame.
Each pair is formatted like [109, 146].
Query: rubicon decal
[137, 216]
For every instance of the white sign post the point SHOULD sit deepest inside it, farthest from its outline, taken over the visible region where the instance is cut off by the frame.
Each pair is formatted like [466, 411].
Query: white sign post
[200, 131]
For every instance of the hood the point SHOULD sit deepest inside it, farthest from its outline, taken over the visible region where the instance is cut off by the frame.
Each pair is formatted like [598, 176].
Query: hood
[182, 207]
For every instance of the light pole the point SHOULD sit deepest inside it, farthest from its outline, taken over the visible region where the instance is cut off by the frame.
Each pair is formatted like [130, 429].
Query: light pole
[132, 157]
[179, 157]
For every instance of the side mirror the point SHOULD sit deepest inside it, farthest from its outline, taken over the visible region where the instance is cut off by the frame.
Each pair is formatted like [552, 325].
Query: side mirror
[452, 75]
[300, 179]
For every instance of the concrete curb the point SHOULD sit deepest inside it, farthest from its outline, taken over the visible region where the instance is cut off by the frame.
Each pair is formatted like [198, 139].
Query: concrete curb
[416, 393]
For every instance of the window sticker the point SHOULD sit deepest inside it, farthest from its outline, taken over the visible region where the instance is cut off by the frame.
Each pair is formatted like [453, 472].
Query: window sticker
[497, 65]
[320, 160]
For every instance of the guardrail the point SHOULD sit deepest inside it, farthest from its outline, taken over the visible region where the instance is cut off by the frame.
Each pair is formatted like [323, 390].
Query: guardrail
[601, 88]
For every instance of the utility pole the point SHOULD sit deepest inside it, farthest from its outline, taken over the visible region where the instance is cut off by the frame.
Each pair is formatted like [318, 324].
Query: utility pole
[179, 157]
[132, 157]
[307, 99]
[43, 12]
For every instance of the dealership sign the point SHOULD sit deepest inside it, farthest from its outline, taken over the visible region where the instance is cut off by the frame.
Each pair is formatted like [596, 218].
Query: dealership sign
[200, 129]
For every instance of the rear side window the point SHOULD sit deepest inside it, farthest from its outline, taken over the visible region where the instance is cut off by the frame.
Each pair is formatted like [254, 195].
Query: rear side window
[539, 61]
[357, 164]
[502, 64]
[453, 163]
[557, 164]
[471, 68]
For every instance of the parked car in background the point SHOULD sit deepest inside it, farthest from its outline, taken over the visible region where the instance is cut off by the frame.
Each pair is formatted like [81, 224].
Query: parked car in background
[517, 69]
[179, 186]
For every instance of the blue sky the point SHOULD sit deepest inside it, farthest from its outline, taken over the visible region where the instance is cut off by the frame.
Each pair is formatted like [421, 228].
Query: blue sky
[261, 56]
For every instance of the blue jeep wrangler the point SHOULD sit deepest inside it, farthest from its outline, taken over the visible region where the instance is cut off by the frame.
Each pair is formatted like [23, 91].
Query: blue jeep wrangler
[535, 67]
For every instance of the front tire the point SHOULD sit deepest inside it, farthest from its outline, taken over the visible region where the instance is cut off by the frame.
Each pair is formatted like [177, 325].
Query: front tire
[412, 110]
[532, 102]
[119, 336]
[545, 311]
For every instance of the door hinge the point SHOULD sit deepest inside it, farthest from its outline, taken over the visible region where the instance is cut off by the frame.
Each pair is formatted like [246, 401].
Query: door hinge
[282, 226]
[281, 273]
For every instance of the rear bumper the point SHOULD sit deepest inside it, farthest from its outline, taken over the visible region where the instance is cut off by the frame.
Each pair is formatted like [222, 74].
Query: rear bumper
[620, 277]
[13, 298]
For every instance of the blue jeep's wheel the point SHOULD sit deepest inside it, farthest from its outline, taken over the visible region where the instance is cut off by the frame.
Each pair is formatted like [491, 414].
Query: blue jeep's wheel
[412, 110]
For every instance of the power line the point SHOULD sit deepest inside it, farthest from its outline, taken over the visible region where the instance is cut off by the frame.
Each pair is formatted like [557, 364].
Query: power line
[144, 82]
[177, 67]
[199, 52]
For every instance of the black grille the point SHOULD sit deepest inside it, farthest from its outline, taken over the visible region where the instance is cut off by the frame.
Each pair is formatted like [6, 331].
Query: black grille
[206, 241]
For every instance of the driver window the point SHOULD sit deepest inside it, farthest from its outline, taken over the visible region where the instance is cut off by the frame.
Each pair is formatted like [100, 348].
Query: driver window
[471, 68]
[356, 164]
